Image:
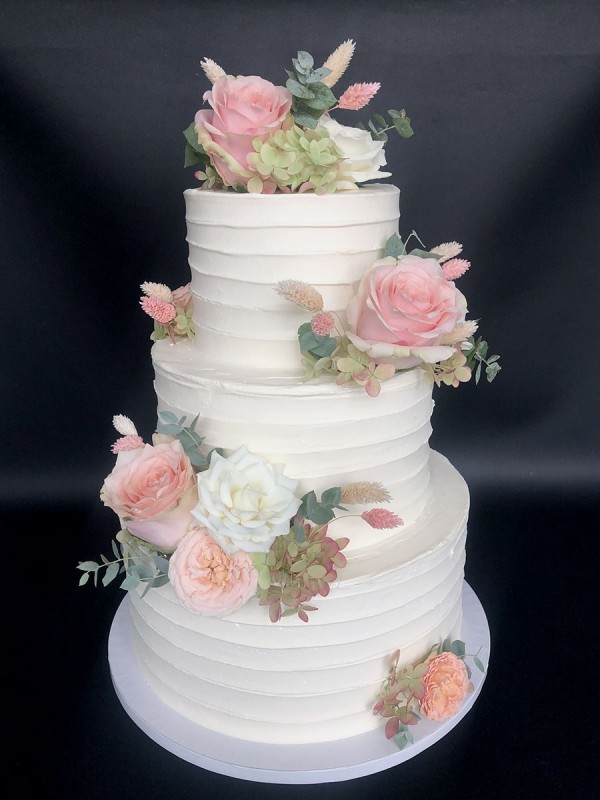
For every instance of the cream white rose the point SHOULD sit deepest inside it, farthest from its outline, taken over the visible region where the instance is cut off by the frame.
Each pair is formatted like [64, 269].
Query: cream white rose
[245, 502]
[363, 155]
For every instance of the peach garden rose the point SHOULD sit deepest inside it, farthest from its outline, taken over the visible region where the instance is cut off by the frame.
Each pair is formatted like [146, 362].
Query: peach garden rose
[446, 685]
[403, 310]
[243, 109]
[153, 489]
[206, 580]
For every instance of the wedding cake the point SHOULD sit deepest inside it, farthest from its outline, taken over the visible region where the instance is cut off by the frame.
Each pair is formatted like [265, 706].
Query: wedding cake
[293, 548]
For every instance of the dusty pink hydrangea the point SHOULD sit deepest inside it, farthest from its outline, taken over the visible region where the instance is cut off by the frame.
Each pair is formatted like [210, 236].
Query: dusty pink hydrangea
[456, 267]
[322, 324]
[381, 518]
[446, 685]
[159, 310]
[358, 95]
[128, 442]
[206, 580]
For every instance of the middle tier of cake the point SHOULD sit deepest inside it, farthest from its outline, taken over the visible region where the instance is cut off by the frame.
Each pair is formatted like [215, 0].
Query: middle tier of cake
[325, 435]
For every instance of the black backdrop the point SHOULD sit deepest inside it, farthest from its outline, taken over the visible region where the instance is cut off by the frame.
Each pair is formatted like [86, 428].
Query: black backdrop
[505, 100]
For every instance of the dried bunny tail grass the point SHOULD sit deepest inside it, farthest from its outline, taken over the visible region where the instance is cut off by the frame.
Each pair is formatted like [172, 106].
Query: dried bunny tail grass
[301, 294]
[460, 333]
[358, 95]
[157, 290]
[212, 70]
[447, 250]
[124, 425]
[338, 62]
[364, 493]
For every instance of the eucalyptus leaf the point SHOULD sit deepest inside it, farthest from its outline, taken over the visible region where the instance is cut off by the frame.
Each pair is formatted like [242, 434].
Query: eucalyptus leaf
[332, 497]
[160, 580]
[458, 648]
[478, 663]
[299, 532]
[115, 549]
[478, 373]
[492, 370]
[111, 573]
[84, 578]
[168, 416]
[161, 563]
[323, 97]
[142, 571]
[88, 566]
[394, 246]
[422, 253]
[130, 582]
[298, 90]
[306, 120]
[191, 157]
[403, 126]
[305, 59]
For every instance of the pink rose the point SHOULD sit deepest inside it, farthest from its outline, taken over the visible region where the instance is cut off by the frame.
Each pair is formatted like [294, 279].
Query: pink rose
[403, 309]
[153, 489]
[244, 108]
[446, 685]
[207, 580]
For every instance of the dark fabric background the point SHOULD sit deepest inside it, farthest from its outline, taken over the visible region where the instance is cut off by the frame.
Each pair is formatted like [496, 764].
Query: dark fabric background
[505, 101]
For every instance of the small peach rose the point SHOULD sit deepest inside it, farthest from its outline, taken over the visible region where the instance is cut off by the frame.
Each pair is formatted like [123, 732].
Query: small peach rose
[243, 109]
[153, 489]
[208, 581]
[446, 685]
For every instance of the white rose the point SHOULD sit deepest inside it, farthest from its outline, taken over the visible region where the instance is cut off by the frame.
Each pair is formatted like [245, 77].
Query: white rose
[245, 502]
[363, 154]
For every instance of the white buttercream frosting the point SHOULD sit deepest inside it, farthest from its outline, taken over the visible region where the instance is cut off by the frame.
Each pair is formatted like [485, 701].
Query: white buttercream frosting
[401, 589]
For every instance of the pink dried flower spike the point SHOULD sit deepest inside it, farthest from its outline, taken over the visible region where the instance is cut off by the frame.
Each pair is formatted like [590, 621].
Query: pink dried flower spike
[322, 324]
[381, 518]
[358, 95]
[456, 267]
[159, 310]
[129, 442]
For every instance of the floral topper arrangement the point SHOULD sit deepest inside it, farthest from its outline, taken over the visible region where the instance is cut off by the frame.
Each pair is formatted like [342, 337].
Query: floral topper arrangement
[263, 138]
[433, 688]
[406, 313]
[222, 529]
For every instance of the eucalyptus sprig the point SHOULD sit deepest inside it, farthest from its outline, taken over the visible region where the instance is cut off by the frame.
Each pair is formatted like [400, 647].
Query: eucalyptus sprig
[379, 126]
[186, 434]
[140, 562]
[477, 354]
[311, 98]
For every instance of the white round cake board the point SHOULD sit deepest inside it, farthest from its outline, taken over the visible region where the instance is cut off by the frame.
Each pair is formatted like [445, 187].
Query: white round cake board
[322, 762]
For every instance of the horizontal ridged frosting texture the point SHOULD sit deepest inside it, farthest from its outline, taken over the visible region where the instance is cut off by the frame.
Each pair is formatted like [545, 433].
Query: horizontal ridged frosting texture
[242, 245]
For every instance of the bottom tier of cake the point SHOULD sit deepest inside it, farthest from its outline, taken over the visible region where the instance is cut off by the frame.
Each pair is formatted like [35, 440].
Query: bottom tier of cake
[294, 682]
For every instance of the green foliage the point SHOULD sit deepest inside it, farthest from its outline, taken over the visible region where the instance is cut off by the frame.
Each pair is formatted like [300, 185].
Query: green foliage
[136, 558]
[313, 344]
[395, 247]
[311, 98]
[352, 365]
[320, 511]
[194, 152]
[190, 440]
[379, 125]
[477, 355]
[314, 367]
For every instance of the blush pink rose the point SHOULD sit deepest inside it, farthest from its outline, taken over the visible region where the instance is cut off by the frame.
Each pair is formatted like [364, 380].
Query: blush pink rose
[243, 109]
[403, 309]
[208, 581]
[446, 685]
[153, 489]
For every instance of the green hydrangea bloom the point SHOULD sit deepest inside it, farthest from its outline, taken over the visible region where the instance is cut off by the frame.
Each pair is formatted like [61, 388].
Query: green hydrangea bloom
[295, 159]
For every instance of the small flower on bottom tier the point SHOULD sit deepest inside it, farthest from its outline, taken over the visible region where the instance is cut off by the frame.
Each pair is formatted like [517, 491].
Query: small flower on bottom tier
[206, 580]
[446, 684]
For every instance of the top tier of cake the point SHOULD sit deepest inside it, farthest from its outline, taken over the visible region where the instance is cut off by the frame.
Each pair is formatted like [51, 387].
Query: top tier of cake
[242, 245]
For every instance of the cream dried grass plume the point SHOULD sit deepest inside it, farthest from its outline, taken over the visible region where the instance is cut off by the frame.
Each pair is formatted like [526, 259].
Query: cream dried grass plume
[212, 70]
[157, 290]
[460, 333]
[338, 62]
[364, 493]
[124, 425]
[301, 294]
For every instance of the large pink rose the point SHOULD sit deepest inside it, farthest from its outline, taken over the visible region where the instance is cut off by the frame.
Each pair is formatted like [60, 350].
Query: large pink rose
[207, 580]
[403, 310]
[244, 108]
[446, 685]
[153, 490]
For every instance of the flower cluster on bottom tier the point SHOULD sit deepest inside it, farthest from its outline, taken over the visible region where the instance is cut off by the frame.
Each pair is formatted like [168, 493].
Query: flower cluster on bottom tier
[297, 683]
